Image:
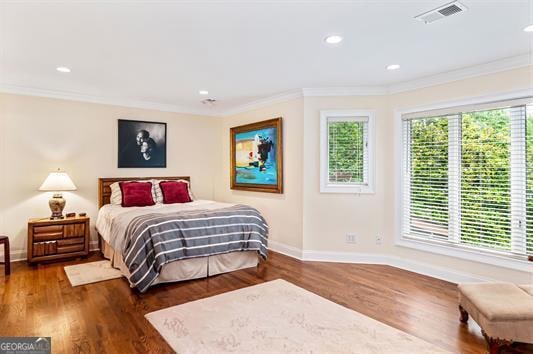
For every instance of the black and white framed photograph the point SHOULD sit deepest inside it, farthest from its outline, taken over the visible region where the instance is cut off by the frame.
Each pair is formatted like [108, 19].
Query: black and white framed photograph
[142, 144]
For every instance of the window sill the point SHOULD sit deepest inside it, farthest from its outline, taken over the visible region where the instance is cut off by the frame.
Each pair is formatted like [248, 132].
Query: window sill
[480, 256]
[346, 189]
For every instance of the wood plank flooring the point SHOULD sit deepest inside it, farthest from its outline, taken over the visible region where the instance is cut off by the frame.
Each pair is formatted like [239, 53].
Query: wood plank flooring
[108, 317]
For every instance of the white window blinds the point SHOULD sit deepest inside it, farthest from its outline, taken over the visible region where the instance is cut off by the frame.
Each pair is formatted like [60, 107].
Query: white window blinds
[427, 177]
[529, 179]
[467, 177]
[347, 151]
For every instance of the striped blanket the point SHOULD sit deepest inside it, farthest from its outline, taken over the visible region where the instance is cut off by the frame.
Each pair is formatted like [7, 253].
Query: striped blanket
[153, 240]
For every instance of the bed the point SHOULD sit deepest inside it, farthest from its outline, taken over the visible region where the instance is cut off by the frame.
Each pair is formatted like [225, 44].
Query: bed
[117, 238]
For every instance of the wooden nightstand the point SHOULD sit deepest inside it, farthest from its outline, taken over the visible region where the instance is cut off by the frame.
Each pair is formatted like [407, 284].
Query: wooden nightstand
[58, 239]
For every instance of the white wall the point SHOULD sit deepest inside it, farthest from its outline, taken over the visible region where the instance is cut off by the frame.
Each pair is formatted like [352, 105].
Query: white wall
[38, 135]
[284, 211]
[328, 217]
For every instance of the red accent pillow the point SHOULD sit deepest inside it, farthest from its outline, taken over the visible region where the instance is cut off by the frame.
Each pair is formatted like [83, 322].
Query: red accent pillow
[175, 192]
[136, 194]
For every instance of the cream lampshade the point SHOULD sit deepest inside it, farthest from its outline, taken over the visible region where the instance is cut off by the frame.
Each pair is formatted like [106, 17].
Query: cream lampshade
[57, 182]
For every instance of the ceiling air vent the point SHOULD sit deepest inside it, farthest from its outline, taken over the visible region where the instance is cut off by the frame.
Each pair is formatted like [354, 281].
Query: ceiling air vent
[209, 101]
[442, 12]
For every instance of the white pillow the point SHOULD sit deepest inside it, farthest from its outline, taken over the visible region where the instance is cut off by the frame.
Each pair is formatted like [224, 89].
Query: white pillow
[159, 194]
[116, 192]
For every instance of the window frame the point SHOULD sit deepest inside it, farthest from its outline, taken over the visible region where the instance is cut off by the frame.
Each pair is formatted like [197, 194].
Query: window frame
[347, 115]
[447, 248]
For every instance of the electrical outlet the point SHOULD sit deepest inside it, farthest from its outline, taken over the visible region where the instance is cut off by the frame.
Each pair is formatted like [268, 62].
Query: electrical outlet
[379, 240]
[351, 238]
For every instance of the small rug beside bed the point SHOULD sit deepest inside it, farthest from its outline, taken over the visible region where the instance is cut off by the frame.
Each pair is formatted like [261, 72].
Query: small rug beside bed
[86, 273]
[280, 317]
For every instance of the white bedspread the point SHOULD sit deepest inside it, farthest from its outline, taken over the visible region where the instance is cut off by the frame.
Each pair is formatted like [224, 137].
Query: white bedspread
[113, 220]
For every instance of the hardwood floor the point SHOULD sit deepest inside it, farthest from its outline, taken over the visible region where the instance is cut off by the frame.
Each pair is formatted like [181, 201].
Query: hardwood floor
[108, 317]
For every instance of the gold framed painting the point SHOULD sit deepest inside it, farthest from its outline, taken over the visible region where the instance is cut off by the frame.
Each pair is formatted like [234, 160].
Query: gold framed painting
[257, 156]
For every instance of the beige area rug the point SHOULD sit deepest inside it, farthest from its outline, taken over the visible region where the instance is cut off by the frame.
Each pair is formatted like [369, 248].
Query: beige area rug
[278, 317]
[93, 272]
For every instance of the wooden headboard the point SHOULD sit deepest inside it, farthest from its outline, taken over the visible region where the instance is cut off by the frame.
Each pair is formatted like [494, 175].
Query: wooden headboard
[104, 189]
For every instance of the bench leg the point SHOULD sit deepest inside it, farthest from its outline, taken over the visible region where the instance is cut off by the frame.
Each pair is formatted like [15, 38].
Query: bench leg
[464, 315]
[7, 256]
[7, 260]
[495, 345]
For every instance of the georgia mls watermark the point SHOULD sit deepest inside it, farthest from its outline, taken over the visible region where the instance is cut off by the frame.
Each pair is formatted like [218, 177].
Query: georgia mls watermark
[25, 345]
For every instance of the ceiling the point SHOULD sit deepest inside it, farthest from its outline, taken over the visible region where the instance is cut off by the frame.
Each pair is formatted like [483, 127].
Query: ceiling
[164, 52]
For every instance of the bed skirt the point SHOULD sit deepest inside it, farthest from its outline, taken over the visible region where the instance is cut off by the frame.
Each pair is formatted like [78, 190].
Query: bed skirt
[187, 269]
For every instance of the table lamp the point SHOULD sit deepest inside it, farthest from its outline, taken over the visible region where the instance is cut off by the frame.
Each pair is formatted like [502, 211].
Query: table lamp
[57, 182]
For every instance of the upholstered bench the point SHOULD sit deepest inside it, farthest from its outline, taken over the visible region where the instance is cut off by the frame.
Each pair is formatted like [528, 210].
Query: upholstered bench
[504, 311]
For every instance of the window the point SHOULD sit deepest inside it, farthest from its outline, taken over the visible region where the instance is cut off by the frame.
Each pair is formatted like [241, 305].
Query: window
[346, 144]
[467, 177]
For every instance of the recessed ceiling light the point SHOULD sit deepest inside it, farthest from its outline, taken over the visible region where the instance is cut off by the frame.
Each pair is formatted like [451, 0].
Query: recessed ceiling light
[393, 67]
[528, 28]
[63, 69]
[334, 39]
[203, 92]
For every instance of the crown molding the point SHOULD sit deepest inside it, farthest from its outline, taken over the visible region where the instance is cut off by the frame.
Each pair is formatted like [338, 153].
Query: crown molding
[434, 80]
[427, 81]
[488, 68]
[72, 96]
[345, 91]
[263, 102]
[306, 92]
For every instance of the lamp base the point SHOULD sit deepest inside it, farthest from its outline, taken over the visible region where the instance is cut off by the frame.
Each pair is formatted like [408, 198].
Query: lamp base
[57, 204]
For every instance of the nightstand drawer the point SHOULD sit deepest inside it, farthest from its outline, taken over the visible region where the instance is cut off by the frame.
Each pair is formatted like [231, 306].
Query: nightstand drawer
[71, 248]
[70, 241]
[49, 229]
[74, 230]
[47, 233]
[44, 248]
[47, 237]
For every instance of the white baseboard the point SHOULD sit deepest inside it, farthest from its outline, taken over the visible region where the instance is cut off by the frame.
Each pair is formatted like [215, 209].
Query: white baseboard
[453, 276]
[413, 266]
[17, 256]
[94, 246]
[344, 257]
[285, 249]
